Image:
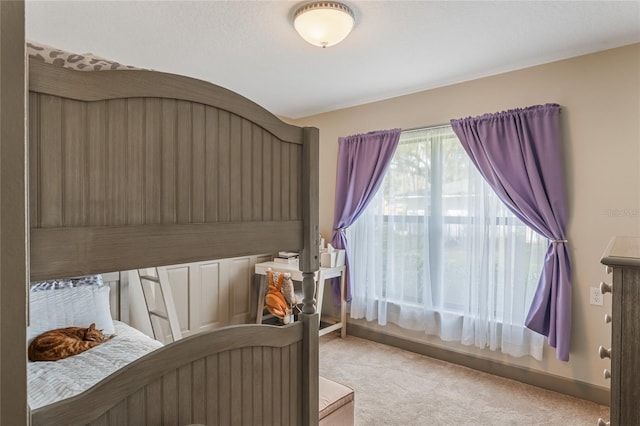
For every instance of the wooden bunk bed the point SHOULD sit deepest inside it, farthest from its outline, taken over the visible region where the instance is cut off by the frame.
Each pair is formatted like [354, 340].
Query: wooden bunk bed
[132, 169]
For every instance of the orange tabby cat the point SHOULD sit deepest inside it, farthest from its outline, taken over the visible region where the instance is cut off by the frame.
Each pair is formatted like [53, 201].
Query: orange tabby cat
[65, 342]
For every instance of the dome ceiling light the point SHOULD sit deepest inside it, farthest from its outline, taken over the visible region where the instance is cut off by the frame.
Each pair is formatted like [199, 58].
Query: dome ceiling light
[324, 23]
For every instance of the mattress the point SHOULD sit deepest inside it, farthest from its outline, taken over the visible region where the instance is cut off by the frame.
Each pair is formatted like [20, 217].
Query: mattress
[80, 62]
[49, 382]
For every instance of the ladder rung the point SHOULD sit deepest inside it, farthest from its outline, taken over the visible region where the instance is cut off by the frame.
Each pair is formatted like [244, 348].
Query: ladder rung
[159, 314]
[168, 314]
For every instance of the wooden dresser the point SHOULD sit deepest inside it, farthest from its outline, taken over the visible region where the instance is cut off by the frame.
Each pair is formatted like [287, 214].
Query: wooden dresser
[622, 257]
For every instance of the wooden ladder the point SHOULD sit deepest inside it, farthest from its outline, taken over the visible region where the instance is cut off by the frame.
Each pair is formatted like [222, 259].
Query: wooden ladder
[156, 284]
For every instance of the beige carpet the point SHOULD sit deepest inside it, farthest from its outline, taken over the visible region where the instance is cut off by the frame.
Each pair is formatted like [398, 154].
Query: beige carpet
[396, 387]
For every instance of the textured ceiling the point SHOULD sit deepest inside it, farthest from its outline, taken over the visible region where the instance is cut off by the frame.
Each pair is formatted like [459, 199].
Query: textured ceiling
[396, 47]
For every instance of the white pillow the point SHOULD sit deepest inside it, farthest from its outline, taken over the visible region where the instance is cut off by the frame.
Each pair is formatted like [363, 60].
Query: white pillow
[87, 280]
[69, 307]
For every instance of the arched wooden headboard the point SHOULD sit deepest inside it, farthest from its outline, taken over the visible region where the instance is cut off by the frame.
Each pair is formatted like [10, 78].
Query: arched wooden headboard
[138, 168]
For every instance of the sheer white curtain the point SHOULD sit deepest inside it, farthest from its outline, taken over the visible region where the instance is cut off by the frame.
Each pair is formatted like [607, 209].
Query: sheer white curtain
[437, 251]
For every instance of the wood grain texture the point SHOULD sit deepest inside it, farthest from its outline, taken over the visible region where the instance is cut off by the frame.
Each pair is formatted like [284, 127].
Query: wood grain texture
[622, 251]
[309, 379]
[97, 152]
[65, 252]
[144, 161]
[134, 169]
[34, 157]
[310, 256]
[14, 226]
[623, 255]
[93, 86]
[137, 162]
[167, 376]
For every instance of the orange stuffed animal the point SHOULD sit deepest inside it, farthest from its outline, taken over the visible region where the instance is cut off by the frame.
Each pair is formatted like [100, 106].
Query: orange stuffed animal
[274, 300]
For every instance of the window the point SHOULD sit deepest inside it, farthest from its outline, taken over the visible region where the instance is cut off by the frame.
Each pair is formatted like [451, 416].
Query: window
[437, 251]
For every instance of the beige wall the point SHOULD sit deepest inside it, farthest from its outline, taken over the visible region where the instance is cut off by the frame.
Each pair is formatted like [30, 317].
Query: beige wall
[600, 99]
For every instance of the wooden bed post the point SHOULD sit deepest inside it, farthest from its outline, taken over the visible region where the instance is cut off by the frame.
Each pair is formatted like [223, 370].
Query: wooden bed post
[13, 220]
[309, 263]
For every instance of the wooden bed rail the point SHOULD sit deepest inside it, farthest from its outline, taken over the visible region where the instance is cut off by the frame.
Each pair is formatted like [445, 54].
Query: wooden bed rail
[246, 374]
[73, 251]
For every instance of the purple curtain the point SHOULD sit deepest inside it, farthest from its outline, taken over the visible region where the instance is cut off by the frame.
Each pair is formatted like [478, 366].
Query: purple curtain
[519, 153]
[362, 163]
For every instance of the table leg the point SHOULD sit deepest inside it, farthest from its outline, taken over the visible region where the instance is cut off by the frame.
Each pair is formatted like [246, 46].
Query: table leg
[262, 291]
[343, 305]
[319, 294]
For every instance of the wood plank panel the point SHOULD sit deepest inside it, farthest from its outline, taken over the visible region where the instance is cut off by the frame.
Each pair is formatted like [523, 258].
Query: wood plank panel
[153, 162]
[116, 161]
[295, 370]
[100, 421]
[276, 184]
[198, 176]
[211, 164]
[277, 385]
[285, 195]
[257, 173]
[51, 171]
[267, 176]
[213, 390]
[184, 148]
[144, 188]
[285, 378]
[223, 166]
[235, 391]
[117, 416]
[235, 169]
[185, 395]
[268, 377]
[168, 168]
[97, 154]
[224, 388]
[136, 408]
[295, 182]
[34, 158]
[153, 398]
[247, 385]
[199, 393]
[135, 161]
[246, 160]
[257, 372]
[169, 405]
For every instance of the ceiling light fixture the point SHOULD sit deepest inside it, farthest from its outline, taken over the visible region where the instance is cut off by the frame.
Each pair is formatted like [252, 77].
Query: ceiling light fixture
[324, 23]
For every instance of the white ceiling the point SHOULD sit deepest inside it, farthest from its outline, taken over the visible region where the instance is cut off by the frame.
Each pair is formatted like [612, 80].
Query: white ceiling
[396, 47]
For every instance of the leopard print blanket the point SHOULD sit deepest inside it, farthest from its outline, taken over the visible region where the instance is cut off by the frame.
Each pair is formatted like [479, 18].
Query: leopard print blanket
[83, 62]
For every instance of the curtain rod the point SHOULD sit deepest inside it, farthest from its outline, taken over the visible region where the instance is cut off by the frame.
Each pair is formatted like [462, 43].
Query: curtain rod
[417, 129]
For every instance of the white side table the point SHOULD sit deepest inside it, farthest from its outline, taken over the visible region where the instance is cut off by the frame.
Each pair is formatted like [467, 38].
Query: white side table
[320, 278]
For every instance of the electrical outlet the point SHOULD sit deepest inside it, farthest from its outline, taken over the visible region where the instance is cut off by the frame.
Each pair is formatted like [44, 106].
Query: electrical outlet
[595, 297]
